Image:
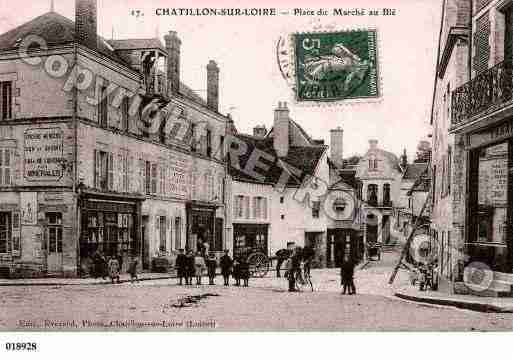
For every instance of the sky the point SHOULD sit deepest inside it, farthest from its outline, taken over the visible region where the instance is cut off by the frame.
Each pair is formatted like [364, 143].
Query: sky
[250, 81]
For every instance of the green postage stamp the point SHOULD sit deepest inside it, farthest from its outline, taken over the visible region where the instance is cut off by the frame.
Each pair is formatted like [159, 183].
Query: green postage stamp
[335, 66]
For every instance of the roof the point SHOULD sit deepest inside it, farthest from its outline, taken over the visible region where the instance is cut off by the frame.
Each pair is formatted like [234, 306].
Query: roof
[134, 44]
[293, 125]
[414, 170]
[422, 179]
[55, 29]
[304, 158]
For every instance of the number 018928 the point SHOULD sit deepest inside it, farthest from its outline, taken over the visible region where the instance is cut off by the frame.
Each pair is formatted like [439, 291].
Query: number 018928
[10, 346]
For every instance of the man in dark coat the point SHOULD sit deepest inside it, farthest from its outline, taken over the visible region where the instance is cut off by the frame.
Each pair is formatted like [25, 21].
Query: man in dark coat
[181, 266]
[211, 268]
[294, 266]
[226, 267]
[347, 276]
[190, 269]
[244, 271]
[236, 271]
[282, 255]
[308, 255]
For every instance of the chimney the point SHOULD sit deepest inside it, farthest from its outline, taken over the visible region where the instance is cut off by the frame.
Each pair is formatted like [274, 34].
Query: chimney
[230, 125]
[213, 86]
[85, 23]
[337, 146]
[373, 144]
[259, 131]
[404, 159]
[281, 130]
[173, 44]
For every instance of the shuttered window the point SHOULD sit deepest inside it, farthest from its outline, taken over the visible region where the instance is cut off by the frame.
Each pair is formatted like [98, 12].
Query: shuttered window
[5, 100]
[480, 4]
[482, 43]
[5, 232]
[5, 166]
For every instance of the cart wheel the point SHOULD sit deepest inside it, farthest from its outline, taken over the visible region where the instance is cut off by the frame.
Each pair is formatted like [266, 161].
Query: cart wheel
[258, 265]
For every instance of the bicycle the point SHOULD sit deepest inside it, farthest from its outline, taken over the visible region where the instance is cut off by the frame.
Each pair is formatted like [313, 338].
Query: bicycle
[303, 279]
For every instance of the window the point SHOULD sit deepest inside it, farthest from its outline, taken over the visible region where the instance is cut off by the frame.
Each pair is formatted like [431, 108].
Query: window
[193, 137]
[209, 143]
[5, 232]
[238, 207]
[125, 106]
[259, 207]
[316, 205]
[178, 233]
[123, 163]
[147, 177]
[104, 170]
[142, 176]
[5, 166]
[221, 146]
[246, 206]
[482, 43]
[54, 232]
[372, 194]
[154, 178]
[103, 107]
[386, 194]
[373, 163]
[6, 100]
[162, 182]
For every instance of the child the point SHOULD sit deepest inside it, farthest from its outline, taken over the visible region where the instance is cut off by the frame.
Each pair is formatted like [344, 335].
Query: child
[199, 265]
[132, 269]
[113, 266]
[236, 271]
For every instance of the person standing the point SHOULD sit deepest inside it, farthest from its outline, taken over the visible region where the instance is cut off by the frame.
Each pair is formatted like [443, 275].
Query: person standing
[199, 265]
[226, 267]
[132, 269]
[244, 271]
[282, 255]
[211, 268]
[347, 276]
[181, 266]
[293, 265]
[190, 270]
[308, 255]
[113, 266]
[236, 271]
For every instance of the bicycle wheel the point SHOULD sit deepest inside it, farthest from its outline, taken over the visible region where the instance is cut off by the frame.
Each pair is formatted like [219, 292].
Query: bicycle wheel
[301, 284]
[308, 282]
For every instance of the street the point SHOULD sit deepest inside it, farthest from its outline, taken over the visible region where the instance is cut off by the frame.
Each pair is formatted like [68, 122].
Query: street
[265, 305]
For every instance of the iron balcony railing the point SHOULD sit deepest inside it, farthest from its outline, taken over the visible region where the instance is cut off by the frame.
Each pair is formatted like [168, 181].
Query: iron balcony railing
[491, 89]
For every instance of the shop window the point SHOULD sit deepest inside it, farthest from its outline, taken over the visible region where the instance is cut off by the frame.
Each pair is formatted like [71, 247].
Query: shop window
[491, 210]
[103, 107]
[6, 100]
[54, 232]
[5, 166]
[5, 232]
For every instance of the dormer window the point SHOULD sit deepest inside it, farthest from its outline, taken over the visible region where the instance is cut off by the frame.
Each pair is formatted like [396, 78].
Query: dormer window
[373, 163]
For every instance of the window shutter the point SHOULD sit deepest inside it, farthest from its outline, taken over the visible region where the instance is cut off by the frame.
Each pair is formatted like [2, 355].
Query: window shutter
[1, 166]
[255, 209]
[482, 43]
[16, 234]
[235, 206]
[129, 166]
[7, 166]
[110, 175]
[246, 204]
[264, 208]
[97, 164]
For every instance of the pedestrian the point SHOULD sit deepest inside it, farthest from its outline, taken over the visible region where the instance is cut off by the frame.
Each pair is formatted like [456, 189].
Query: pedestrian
[308, 254]
[282, 255]
[120, 261]
[226, 267]
[293, 265]
[199, 266]
[206, 248]
[181, 266]
[211, 268]
[244, 271]
[190, 270]
[113, 266]
[132, 269]
[346, 276]
[236, 271]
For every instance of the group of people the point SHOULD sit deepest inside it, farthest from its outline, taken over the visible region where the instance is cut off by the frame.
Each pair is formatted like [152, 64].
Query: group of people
[293, 259]
[111, 266]
[189, 265]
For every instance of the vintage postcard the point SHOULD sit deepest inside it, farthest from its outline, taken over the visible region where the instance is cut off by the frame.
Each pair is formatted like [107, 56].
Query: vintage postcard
[173, 166]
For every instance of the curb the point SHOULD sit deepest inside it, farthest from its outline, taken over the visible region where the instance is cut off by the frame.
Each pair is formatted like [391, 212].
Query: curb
[35, 284]
[474, 306]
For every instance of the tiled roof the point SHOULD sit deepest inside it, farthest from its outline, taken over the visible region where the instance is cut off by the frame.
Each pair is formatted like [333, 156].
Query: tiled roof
[414, 170]
[304, 158]
[133, 44]
[55, 29]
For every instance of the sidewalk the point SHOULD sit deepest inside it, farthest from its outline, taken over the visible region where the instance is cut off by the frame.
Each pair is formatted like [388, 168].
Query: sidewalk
[124, 277]
[479, 304]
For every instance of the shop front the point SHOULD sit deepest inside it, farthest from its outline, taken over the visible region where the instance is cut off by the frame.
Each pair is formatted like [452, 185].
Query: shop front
[203, 226]
[489, 215]
[250, 237]
[110, 225]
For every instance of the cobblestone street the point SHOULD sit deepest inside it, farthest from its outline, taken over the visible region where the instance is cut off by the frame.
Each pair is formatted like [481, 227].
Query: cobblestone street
[153, 305]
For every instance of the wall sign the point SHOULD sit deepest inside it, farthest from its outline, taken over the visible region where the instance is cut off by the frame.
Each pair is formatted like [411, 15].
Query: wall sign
[43, 154]
[497, 133]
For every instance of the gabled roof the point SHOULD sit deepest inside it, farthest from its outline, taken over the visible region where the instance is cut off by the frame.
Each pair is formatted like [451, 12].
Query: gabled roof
[304, 158]
[414, 170]
[55, 29]
[136, 44]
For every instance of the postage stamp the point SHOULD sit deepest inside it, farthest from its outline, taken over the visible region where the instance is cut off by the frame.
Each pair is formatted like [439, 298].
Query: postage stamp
[335, 66]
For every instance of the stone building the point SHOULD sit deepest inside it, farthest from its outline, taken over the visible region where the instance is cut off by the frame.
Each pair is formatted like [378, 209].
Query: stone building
[99, 148]
[472, 145]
